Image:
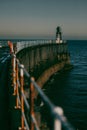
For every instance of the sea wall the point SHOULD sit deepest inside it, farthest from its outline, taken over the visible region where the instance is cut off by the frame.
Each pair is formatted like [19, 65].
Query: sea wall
[42, 61]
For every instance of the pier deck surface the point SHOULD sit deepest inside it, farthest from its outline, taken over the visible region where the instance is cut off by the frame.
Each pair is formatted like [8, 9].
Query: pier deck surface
[3, 97]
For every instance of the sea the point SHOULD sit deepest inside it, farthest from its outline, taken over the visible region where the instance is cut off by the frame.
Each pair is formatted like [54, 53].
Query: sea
[68, 89]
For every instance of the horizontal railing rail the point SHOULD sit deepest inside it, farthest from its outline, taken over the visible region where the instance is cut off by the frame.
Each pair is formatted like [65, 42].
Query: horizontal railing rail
[24, 44]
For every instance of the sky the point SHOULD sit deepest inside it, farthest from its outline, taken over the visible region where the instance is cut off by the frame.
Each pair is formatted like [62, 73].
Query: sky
[39, 18]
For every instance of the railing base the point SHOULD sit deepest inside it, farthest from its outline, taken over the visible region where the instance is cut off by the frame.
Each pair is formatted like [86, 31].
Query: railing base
[22, 128]
[14, 94]
[17, 107]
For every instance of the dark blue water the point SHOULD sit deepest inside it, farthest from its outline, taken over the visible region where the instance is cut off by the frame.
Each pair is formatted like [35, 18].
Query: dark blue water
[69, 89]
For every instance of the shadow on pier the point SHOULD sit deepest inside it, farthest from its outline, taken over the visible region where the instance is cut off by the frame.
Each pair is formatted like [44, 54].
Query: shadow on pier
[4, 117]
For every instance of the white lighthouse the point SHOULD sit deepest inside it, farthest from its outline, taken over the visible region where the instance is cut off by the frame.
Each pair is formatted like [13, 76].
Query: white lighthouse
[58, 35]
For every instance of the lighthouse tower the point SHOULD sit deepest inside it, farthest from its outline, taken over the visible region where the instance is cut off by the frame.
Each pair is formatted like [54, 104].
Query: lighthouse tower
[58, 35]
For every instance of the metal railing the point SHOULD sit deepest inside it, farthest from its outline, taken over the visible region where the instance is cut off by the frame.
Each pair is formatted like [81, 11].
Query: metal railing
[24, 44]
[59, 120]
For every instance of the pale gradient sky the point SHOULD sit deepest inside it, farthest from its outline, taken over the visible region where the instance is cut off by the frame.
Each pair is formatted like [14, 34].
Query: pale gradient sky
[39, 18]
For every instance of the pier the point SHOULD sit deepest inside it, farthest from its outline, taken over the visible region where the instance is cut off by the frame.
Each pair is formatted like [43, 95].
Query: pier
[30, 64]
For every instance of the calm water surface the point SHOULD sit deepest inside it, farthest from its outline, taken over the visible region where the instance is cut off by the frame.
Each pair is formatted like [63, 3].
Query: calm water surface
[69, 89]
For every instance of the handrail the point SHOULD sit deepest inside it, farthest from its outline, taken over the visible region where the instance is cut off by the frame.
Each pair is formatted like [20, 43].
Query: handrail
[31, 43]
[18, 73]
[24, 44]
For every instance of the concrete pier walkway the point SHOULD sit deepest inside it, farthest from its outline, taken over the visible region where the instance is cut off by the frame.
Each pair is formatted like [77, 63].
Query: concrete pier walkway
[4, 121]
[9, 117]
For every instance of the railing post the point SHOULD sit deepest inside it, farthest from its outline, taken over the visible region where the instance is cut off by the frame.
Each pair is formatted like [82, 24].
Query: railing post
[14, 73]
[31, 104]
[22, 99]
[17, 92]
[10, 46]
[57, 123]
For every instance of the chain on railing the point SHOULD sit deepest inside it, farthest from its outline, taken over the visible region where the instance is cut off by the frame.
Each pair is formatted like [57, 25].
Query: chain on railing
[18, 84]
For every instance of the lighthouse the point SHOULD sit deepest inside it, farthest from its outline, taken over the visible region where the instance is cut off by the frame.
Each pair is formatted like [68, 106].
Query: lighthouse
[58, 35]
